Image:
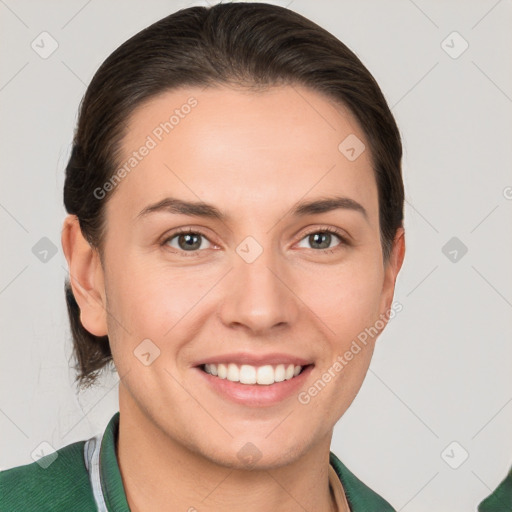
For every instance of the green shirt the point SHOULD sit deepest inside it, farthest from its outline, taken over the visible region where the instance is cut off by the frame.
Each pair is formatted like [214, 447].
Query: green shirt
[84, 476]
[501, 499]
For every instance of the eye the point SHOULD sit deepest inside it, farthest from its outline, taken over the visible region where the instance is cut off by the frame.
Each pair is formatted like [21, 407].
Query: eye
[187, 240]
[190, 240]
[322, 238]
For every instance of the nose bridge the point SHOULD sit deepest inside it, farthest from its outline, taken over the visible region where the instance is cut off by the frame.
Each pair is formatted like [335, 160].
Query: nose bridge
[258, 296]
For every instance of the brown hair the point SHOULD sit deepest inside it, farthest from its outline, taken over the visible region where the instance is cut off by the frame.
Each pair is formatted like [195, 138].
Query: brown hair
[255, 45]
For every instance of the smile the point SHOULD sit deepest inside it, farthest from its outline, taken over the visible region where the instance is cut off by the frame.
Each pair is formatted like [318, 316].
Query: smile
[239, 383]
[248, 374]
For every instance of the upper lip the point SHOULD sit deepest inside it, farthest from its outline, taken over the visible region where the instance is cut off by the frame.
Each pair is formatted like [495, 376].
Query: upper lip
[255, 359]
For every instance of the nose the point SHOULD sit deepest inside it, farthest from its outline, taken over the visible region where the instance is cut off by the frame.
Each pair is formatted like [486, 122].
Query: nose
[259, 295]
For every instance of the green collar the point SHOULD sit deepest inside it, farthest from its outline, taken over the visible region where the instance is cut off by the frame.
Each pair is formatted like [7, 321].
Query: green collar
[501, 498]
[359, 497]
[111, 482]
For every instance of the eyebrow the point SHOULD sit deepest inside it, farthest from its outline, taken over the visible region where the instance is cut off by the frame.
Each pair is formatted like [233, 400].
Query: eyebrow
[205, 210]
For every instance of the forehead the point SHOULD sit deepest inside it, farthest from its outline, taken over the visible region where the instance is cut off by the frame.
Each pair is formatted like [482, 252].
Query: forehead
[243, 149]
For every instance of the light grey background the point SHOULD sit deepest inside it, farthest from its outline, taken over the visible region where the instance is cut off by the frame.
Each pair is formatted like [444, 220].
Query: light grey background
[442, 368]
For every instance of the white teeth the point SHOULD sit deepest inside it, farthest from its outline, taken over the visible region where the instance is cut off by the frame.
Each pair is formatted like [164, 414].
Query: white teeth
[222, 370]
[233, 373]
[280, 373]
[265, 375]
[248, 374]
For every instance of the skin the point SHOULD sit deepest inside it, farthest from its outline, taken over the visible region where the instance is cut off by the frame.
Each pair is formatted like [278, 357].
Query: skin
[253, 155]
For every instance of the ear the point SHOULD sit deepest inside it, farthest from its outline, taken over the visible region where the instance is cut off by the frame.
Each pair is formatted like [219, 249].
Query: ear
[391, 270]
[86, 277]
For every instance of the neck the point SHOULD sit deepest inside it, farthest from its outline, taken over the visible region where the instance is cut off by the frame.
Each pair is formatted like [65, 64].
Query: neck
[161, 472]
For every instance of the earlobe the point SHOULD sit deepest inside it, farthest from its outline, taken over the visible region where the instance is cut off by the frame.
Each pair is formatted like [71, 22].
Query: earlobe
[86, 277]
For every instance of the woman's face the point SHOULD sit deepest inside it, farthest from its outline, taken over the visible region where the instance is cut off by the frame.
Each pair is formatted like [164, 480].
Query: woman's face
[259, 280]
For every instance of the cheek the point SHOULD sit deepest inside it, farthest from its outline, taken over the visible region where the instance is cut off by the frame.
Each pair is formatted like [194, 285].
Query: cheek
[348, 298]
[155, 301]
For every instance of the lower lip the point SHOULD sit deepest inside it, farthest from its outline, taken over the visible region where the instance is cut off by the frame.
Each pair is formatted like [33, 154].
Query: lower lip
[256, 395]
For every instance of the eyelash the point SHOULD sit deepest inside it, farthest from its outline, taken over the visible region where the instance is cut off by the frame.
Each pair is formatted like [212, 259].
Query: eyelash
[330, 230]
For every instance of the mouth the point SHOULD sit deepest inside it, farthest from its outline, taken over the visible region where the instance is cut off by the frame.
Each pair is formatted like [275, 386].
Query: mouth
[265, 375]
[254, 386]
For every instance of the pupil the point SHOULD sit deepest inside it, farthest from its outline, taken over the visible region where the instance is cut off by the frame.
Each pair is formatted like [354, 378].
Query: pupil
[189, 241]
[317, 235]
[192, 240]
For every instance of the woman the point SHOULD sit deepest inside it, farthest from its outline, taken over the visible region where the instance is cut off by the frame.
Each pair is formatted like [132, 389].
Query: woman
[234, 235]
